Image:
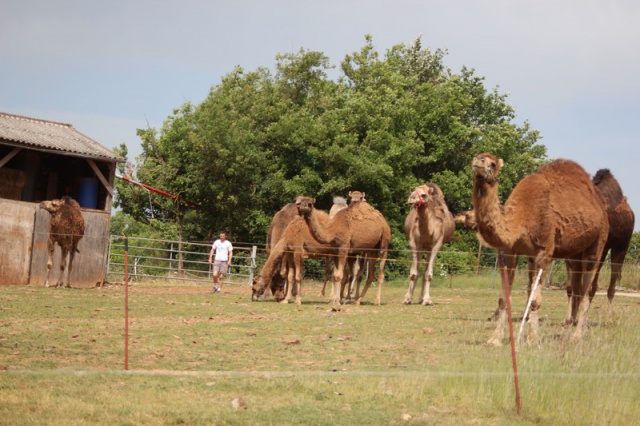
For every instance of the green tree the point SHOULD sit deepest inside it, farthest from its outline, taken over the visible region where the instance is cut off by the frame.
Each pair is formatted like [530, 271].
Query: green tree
[387, 123]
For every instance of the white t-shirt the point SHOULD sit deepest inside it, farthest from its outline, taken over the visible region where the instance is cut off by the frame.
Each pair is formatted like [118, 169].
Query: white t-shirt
[222, 250]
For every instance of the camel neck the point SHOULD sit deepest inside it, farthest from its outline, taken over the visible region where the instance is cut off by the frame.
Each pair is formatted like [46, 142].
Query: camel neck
[319, 229]
[491, 222]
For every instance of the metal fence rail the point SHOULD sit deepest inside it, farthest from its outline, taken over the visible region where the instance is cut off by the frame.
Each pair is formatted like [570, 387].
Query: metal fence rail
[152, 258]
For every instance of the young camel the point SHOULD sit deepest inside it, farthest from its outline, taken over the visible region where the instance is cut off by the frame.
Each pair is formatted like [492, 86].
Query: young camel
[428, 226]
[66, 228]
[553, 213]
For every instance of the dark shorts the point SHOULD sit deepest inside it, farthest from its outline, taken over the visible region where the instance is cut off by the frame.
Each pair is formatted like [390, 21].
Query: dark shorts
[220, 267]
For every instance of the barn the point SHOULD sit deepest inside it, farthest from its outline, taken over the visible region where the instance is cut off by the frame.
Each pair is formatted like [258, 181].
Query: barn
[43, 160]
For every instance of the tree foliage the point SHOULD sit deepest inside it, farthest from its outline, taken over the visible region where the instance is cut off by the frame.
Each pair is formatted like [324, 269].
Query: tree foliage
[386, 124]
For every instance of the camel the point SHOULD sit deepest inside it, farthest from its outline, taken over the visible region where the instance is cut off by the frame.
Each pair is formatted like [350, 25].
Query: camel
[66, 228]
[428, 225]
[358, 229]
[553, 213]
[279, 223]
[286, 258]
[356, 265]
[295, 244]
[621, 223]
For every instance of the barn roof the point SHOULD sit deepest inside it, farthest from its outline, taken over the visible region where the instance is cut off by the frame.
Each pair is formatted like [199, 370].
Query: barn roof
[50, 136]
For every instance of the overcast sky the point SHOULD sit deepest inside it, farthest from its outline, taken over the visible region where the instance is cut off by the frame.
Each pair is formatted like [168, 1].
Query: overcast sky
[571, 68]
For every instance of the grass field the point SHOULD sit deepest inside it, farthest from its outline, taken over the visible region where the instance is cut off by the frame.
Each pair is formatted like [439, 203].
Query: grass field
[197, 358]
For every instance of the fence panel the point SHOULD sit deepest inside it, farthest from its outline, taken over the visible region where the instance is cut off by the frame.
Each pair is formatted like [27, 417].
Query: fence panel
[152, 258]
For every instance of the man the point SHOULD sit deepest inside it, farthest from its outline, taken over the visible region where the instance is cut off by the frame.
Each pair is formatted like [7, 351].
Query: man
[221, 254]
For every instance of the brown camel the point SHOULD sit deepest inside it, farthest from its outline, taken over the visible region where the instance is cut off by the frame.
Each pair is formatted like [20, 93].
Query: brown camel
[621, 223]
[66, 228]
[279, 223]
[295, 245]
[553, 213]
[428, 225]
[357, 230]
[286, 257]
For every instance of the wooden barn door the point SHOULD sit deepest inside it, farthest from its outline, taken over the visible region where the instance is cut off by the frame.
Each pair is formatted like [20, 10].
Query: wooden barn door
[16, 236]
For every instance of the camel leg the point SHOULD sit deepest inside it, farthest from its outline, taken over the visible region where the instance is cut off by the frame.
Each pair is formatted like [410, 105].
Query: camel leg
[617, 259]
[357, 276]
[327, 274]
[589, 265]
[383, 261]
[594, 285]
[370, 275]
[290, 277]
[542, 262]
[502, 318]
[70, 267]
[425, 299]
[338, 272]
[511, 273]
[298, 265]
[63, 266]
[573, 279]
[413, 275]
[50, 250]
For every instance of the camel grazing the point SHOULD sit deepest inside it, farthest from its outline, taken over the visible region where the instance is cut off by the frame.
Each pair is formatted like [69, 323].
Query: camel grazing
[358, 229]
[295, 245]
[279, 223]
[553, 213]
[428, 225]
[621, 223]
[286, 258]
[66, 228]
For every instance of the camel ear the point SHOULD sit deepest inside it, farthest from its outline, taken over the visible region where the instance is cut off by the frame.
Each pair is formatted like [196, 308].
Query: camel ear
[350, 193]
[500, 163]
[363, 195]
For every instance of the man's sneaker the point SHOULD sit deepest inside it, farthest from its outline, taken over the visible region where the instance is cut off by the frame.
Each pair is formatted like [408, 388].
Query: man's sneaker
[216, 289]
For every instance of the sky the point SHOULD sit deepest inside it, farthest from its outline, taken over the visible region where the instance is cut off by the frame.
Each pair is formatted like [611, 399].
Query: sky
[571, 68]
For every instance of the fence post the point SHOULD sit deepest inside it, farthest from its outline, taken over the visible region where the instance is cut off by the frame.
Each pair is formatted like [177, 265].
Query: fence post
[171, 259]
[252, 267]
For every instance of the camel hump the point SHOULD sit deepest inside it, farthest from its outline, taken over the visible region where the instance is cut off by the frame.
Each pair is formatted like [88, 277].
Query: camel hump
[564, 168]
[609, 187]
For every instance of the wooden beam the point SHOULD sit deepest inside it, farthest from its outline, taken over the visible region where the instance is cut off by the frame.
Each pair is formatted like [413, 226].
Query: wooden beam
[9, 156]
[98, 173]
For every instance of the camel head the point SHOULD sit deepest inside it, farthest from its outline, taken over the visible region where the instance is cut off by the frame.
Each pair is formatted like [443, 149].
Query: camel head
[257, 288]
[486, 167]
[260, 285]
[423, 195]
[305, 205]
[52, 206]
[466, 218]
[356, 197]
